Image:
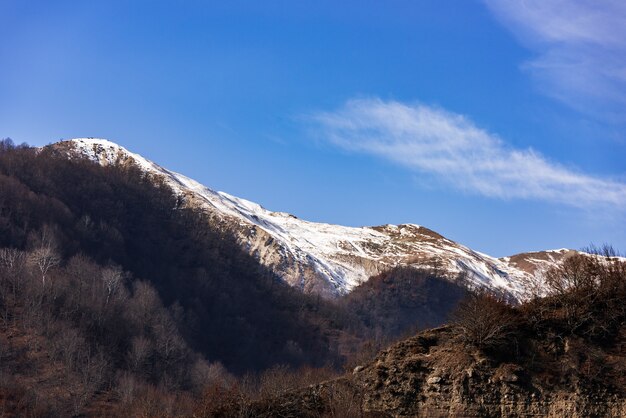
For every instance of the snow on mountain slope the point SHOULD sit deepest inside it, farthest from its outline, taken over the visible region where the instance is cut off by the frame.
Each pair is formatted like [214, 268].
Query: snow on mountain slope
[329, 259]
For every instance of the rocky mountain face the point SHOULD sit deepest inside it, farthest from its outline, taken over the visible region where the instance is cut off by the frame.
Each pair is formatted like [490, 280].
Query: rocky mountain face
[331, 260]
[425, 376]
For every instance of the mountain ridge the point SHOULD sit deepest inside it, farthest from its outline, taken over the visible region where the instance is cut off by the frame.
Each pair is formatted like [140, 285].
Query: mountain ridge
[327, 259]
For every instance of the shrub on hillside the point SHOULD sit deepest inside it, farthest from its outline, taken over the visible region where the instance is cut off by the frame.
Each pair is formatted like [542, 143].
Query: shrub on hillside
[586, 296]
[485, 322]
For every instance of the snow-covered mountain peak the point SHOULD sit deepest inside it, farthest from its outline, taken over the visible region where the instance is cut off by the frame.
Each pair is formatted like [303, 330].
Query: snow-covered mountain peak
[98, 148]
[106, 152]
[91, 141]
[325, 258]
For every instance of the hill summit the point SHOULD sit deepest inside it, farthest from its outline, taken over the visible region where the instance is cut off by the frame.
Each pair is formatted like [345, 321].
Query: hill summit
[327, 259]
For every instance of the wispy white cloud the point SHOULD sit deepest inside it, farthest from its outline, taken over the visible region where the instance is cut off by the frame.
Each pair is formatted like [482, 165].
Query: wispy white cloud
[451, 148]
[580, 48]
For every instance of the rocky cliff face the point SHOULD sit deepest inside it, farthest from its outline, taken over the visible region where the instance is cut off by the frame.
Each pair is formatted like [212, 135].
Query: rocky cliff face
[330, 259]
[423, 376]
[430, 375]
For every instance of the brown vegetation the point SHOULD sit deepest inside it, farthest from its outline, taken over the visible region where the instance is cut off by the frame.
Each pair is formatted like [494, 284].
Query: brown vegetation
[559, 355]
[485, 321]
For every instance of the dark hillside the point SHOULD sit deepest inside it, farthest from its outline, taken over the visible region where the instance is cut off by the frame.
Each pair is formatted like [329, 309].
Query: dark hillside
[227, 306]
[404, 299]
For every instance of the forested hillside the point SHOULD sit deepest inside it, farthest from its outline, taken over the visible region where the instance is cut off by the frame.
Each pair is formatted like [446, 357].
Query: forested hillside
[227, 305]
[114, 294]
[106, 279]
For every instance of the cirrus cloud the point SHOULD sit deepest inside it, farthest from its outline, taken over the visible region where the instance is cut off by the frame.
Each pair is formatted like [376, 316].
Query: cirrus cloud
[452, 148]
[579, 46]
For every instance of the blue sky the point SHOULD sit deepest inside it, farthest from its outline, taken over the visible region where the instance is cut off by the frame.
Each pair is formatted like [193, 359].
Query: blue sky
[499, 124]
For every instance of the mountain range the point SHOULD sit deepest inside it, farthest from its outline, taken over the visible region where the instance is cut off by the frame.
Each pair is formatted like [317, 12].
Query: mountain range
[331, 260]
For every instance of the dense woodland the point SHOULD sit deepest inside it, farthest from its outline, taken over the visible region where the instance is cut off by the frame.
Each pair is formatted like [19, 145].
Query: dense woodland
[117, 216]
[110, 286]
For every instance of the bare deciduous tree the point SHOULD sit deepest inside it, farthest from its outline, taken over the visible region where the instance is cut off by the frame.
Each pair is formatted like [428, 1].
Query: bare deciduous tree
[484, 321]
[169, 343]
[574, 274]
[11, 258]
[140, 351]
[45, 258]
[12, 262]
[204, 374]
[112, 278]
